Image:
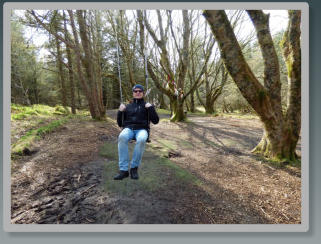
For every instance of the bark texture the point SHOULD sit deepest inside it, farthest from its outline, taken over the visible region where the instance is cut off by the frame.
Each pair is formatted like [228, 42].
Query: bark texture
[281, 130]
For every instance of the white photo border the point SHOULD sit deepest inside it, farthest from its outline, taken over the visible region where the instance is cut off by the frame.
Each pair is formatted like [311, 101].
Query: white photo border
[303, 227]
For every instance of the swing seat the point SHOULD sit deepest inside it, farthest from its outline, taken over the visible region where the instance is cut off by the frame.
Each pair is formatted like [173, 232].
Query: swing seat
[134, 140]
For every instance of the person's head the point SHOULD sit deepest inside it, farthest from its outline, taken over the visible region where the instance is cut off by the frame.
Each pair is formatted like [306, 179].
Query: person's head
[138, 91]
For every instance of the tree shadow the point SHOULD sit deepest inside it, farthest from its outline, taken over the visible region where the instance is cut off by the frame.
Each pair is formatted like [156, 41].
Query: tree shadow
[176, 196]
[245, 141]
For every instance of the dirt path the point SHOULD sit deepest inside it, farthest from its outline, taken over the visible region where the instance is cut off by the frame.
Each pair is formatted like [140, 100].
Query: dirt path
[196, 172]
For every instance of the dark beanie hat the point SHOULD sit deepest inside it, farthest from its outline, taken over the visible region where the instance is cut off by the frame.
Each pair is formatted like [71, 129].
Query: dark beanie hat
[138, 86]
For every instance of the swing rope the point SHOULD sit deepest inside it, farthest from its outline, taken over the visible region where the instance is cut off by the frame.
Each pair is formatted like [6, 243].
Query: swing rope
[118, 64]
[119, 73]
[120, 81]
[147, 95]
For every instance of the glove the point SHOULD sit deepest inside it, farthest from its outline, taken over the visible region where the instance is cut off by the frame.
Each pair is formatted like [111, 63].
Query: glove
[147, 105]
[122, 107]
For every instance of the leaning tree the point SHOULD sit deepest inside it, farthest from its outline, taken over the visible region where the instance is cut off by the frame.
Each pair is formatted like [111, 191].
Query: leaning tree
[281, 128]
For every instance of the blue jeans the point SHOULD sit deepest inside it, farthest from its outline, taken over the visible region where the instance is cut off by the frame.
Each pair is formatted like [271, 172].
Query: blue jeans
[124, 137]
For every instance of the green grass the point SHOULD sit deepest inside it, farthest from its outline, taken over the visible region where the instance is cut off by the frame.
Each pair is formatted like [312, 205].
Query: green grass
[27, 140]
[109, 150]
[51, 126]
[164, 120]
[20, 112]
[163, 111]
[155, 172]
[45, 119]
[277, 163]
[179, 172]
[167, 144]
[239, 115]
[186, 144]
[24, 142]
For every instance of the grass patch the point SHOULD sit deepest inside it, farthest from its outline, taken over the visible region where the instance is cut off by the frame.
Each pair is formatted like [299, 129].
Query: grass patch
[167, 144]
[239, 115]
[148, 179]
[148, 171]
[109, 150]
[197, 113]
[186, 144]
[163, 111]
[277, 163]
[24, 142]
[179, 172]
[165, 120]
[155, 172]
[51, 126]
[32, 135]
[213, 144]
[20, 112]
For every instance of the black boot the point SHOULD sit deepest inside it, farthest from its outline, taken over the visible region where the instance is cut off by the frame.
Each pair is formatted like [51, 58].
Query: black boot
[122, 174]
[134, 173]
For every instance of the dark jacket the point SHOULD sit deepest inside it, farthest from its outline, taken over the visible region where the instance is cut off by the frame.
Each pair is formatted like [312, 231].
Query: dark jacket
[136, 116]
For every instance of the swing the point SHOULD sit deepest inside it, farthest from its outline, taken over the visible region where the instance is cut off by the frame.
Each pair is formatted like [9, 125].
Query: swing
[121, 94]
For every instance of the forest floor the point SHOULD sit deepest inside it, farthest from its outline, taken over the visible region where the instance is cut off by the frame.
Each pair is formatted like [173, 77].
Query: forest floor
[198, 172]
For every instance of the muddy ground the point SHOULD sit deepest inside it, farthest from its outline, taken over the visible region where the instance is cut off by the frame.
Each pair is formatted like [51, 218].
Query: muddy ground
[196, 172]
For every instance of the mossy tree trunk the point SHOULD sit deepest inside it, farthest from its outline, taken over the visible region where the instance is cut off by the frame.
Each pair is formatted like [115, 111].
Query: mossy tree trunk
[176, 80]
[178, 110]
[281, 130]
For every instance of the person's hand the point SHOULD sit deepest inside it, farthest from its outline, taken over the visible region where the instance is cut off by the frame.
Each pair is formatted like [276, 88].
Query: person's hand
[122, 107]
[147, 105]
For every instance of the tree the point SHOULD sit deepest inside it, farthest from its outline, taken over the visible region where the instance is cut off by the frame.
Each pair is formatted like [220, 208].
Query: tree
[126, 41]
[215, 75]
[200, 53]
[70, 67]
[86, 63]
[24, 67]
[281, 130]
[56, 23]
[174, 72]
[213, 88]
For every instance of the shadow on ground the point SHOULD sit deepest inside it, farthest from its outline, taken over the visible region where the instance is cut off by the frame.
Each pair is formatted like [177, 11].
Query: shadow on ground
[167, 193]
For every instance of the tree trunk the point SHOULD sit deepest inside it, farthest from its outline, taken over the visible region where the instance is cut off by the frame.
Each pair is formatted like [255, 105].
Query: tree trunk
[175, 87]
[192, 107]
[35, 88]
[61, 76]
[70, 69]
[162, 105]
[178, 110]
[209, 105]
[78, 97]
[280, 132]
[282, 147]
[88, 79]
[88, 61]
[292, 55]
[63, 89]
[93, 111]
[98, 54]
